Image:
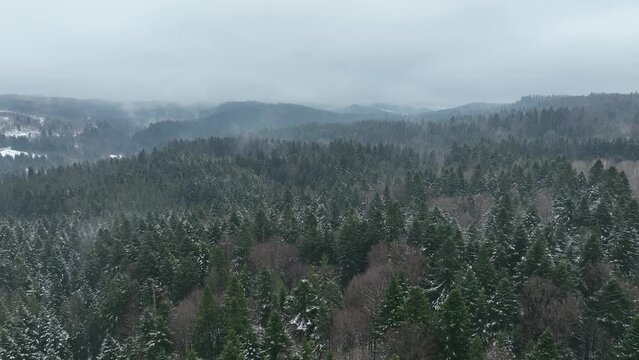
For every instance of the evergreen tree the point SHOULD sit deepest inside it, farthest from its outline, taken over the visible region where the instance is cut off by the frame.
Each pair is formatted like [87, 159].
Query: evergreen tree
[537, 261]
[208, 328]
[454, 328]
[564, 277]
[276, 341]
[265, 295]
[447, 265]
[351, 249]
[394, 219]
[477, 304]
[628, 347]
[54, 339]
[544, 349]
[112, 349]
[610, 307]
[483, 268]
[392, 313]
[312, 245]
[156, 334]
[505, 306]
[303, 306]
[417, 308]
[499, 233]
[232, 349]
[476, 351]
[591, 256]
[235, 307]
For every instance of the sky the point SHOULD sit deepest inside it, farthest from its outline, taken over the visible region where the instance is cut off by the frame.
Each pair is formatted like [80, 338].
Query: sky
[433, 53]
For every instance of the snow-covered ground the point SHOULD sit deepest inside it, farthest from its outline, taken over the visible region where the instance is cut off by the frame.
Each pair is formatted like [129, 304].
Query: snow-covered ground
[14, 124]
[8, 151]
[22, 133]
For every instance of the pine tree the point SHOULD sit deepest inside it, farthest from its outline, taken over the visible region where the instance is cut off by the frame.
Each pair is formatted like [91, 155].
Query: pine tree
[592, 252]
[375, 223]
[628, 347]
[312, 246]
[591, 256]
[417, 308]
[520, 247]
[112, 349]
[245, 240]
[351, 249]
[505, 307]
[476, 351]
[447, 265]
[476, 302]
[236, 312]
[499, 233]
[309, 351]
[625, 250]
[265, 295]
[454, 328]
[276, 340]
[564, 277]
[208, 330]
[392, 313]
[329, 296]
[544, 349]
[394, 218]
[156, 334]
[537, 261]
[610, 307]
[54, 339]
[303, 307]
[262, 225]
[232, 349]
[483, 268]
[290, 226]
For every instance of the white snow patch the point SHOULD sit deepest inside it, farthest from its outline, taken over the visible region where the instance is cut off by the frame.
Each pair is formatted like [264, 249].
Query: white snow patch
[22, 133]
[8, 151]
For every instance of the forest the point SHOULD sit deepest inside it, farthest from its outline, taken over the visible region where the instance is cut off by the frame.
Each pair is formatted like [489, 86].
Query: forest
[507, 233]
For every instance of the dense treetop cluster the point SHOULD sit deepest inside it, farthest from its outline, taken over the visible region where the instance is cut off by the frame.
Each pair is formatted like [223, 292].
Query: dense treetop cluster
[332, 241]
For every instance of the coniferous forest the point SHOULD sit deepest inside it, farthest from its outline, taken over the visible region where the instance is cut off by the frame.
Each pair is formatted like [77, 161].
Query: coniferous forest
[507, 235]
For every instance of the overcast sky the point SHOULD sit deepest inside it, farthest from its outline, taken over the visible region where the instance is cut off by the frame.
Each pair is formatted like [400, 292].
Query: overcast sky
[421, 52]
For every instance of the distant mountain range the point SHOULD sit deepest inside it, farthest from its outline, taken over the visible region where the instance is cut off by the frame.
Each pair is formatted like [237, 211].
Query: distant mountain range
[86, 129]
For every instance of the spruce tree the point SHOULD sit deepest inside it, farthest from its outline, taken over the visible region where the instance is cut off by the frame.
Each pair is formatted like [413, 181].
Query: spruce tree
[537, 261]
[265, 295]
[504, 307]
[483, 268]
[392, 313]
[236, 312]
[351, 249]
[610, 307]
[276, 341]
[417, 308]
[303, 307]
[544, 349]
[454, 328]
[232, 349]
[628, 346]
[312, 245]
[156, 334]
[112, 349]
[208, 330]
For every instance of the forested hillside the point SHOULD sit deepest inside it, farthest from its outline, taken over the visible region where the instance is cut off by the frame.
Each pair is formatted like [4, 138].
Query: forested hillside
[509, 235]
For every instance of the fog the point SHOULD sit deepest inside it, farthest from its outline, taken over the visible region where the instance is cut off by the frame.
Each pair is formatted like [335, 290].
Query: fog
[425, 53]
